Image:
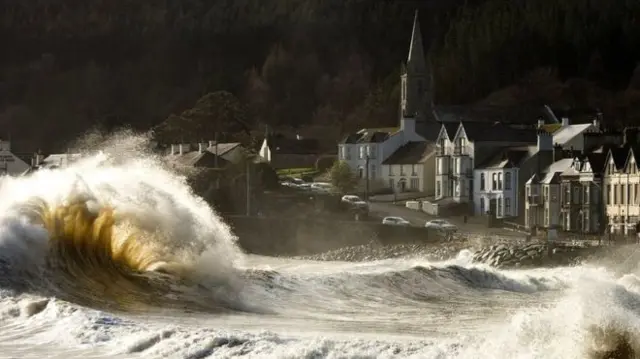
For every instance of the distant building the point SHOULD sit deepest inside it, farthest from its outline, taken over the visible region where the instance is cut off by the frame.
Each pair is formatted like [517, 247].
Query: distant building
[283, 152]
[10, 163]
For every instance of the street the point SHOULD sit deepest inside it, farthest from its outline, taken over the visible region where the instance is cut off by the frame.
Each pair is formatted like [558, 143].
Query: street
[419, 218]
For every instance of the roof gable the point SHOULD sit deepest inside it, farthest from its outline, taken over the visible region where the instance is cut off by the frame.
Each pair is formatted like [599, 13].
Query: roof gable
[410, 153]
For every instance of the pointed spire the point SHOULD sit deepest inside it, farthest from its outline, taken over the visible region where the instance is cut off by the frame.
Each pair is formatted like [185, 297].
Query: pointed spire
[416, 62]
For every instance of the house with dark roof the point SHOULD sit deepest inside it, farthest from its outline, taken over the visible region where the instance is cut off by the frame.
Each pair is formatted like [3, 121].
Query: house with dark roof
[542, 207]
[473, 143]
[580, 195]
[284, 152]
[496, 182]
[186, 156]
[411, 168]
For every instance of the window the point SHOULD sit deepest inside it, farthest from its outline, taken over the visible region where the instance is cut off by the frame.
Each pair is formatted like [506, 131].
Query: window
[494, 182]
[414, 171]
[362, 152]
[360, 172]
[635, 193]
[608, 194]
[499, 202]
[482, 211]
[615, 194]
[585, 194]
[401, 170]
[343, 152]
[482, 181]
[528, 191]
[546, 193]
[507, 181]
[627, 190]
[438, 189]
[414, 184]
[391, 170]
[500, 181]
[507, 206]
[372, 152]
[546, 217]
[347, 150]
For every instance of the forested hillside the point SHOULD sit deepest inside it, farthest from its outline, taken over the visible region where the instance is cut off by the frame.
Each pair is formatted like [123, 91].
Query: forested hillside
[71, 65]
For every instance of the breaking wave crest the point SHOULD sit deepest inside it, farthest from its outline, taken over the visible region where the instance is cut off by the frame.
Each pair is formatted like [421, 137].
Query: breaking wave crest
[115, 229]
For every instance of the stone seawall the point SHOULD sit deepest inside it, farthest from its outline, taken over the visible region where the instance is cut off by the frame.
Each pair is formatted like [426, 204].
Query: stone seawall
[295, 237]
[534, 255]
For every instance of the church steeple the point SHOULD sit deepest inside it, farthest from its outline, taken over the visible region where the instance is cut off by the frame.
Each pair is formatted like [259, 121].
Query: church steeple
[415, 61]
[416, 80]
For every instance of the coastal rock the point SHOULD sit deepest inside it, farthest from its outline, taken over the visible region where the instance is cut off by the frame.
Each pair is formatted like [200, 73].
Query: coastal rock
[536, 254]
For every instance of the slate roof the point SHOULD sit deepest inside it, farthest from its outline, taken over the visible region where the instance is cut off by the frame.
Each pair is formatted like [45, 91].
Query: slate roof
[506, 158]
[552, 172]
[410, 153]
[222, 148]
[370, 135]
[278, 143]
[498, 132]
[566, 134]
[197, 159]
[525, 115]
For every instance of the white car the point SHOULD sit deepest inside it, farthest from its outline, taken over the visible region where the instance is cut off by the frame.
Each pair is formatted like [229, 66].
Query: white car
[349, 198]
[441, 224]
[395, 221]
[360, 204]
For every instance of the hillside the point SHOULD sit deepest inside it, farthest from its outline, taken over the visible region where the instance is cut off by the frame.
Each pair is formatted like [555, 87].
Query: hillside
[308, 64]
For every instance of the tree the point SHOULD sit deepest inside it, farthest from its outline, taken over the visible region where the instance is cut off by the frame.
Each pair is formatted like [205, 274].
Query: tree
[342, 178]
[214, 112]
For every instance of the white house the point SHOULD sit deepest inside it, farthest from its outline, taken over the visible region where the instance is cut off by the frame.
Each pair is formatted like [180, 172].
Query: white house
[542, 200]
[472, 143]
[373, 146]
[10, 164]
[411, 168]
[496, 183]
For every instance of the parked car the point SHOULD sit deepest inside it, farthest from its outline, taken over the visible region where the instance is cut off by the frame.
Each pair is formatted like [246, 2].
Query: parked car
[442, 225]
[350, 198]
[360, 204]
[395, 221]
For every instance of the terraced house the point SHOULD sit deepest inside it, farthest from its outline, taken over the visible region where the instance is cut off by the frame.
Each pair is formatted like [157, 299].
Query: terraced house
[580, 194]
[621, 183]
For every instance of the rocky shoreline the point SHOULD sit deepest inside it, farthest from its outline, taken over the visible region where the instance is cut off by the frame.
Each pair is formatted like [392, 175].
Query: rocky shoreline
[534, 255]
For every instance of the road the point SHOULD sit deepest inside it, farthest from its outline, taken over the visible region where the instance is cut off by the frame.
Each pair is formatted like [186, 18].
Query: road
[418, 218]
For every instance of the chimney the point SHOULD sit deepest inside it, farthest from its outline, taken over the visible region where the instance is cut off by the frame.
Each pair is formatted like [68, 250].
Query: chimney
[565, 122]
[212, 143]
[545, 140]
[597, 121]
[540, 122]
[173, 150]
[408, 126]
[557, 152]
[298, 137]
[202, 147]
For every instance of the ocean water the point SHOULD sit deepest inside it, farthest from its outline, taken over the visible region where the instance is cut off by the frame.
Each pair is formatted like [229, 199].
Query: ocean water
[114, 257]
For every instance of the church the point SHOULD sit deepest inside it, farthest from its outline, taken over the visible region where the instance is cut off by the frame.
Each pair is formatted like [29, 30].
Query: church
[403, 158]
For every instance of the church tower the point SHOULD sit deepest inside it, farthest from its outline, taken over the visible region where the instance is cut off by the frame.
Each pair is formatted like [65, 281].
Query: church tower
[416, 80]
